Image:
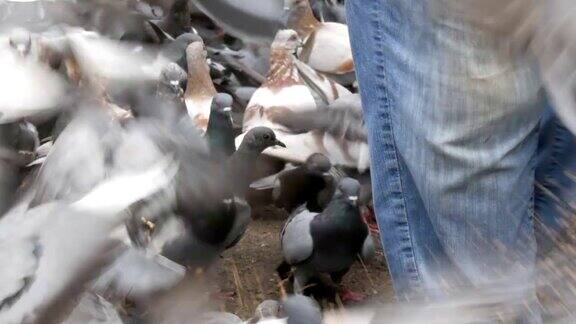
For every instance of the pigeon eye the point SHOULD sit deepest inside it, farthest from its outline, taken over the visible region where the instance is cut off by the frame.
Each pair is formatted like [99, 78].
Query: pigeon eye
[266, 136]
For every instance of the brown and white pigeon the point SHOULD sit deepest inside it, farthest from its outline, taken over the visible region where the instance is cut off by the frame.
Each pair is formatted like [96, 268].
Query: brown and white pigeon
[326, 44]
[291, 88]
[200, 90]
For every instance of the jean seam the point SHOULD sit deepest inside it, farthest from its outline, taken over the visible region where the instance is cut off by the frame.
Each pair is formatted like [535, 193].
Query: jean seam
[387, 121]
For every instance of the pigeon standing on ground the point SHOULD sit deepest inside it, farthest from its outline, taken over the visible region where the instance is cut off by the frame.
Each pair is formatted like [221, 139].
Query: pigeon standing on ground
[210, 214]
[328, 242]
[326, 44]
[290, 89]
[309, 184]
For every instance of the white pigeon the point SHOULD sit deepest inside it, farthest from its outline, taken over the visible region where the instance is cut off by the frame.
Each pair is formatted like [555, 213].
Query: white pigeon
[29, 88]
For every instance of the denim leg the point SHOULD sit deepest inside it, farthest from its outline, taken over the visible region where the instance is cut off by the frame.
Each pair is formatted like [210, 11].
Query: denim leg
[555, 186]
[453, 130]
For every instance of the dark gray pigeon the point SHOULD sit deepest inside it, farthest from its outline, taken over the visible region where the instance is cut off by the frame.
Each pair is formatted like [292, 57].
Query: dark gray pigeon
[327, 242]
[210, 202]
[220, 131]
[177, 21]
[309, 184]
[241, 164]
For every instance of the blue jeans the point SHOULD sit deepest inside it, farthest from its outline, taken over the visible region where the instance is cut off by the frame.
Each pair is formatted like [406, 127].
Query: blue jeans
[453, 129]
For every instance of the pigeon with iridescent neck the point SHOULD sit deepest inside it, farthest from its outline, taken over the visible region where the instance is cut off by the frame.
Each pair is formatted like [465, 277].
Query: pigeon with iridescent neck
[328, 242]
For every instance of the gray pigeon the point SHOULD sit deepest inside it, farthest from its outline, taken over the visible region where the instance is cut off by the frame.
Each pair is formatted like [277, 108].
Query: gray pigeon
[43, 267]
[300, 309]
[327, 242]
[172, 82]
[220, 131]
[79, 159]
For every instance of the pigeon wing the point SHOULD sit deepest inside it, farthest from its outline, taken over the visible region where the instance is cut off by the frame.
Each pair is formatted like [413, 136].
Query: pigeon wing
[368, 249]
[272, 181]
[297, 244]
[241, 222]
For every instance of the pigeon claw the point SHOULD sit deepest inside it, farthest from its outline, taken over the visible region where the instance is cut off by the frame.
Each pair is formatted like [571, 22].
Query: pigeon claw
[223, 295]
[347, 295]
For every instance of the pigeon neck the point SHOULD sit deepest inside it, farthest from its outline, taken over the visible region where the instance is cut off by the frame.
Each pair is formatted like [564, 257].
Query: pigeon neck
[247, 151]
[303, 21]
[283, 71]
[199, 81]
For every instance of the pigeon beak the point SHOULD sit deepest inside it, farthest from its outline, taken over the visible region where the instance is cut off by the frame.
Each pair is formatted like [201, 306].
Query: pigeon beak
[227, 109]
[277, 142]
[353, 199]
[21, 48]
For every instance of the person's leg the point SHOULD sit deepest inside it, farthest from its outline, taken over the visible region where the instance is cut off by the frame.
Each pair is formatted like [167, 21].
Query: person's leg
[555, 186]
[453, 131]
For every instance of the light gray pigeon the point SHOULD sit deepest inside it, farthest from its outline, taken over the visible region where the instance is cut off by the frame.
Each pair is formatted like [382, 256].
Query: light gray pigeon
[44, 267]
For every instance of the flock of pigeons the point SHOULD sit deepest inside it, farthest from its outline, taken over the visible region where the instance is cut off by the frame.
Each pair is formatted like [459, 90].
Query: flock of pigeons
[133, 136]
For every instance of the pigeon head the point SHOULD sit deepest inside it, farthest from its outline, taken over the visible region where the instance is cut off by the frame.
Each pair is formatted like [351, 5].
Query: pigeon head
[21, 41]
[173, 79]
[188, 38]
[298, 15]
[195, 53]
[287, 40]
[350, 189]
[260, 138]
[222, 104]
[318, 162]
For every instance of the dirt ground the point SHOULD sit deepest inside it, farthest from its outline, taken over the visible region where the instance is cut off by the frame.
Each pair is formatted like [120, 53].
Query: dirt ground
[249, 269]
